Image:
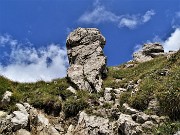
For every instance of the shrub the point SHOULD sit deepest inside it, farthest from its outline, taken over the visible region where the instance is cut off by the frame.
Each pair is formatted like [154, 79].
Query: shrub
[124, 97]
[52, 107]
[5, 85]
[65, 94]
[169, 128]
[72, 107]
[140, 101]
[170, 103]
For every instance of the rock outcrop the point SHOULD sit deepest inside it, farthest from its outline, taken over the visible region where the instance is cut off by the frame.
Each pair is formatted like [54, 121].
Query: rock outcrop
[86, 59]
[6, 98]
[92, 125]
[148, 52]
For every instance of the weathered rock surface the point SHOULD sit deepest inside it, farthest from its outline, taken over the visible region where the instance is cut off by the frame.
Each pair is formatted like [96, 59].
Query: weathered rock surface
[92, 125]
[6, 98]
[86, 58]
[177, 133]
[20, 118]
[23, 132]
[148, 52]
[127, 126]
[26, 118]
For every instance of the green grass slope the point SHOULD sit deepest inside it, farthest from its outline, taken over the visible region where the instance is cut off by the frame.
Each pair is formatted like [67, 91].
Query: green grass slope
[154, 84]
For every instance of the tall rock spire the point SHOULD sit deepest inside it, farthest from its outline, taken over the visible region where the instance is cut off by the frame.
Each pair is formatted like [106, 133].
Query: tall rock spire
[86, 59]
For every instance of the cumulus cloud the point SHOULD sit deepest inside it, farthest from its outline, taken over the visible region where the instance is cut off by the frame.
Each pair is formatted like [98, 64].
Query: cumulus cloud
[29, 64]
[173, 42]
[99, 15]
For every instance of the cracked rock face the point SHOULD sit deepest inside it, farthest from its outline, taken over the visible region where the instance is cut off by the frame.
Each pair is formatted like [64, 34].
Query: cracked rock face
[148, 52]
[86, 59]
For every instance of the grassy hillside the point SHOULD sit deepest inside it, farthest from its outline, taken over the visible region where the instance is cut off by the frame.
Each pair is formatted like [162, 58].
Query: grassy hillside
[160, 79]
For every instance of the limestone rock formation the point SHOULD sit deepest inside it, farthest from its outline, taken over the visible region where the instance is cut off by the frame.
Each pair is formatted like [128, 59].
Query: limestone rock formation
[86, 58]
[92, 125]
[148, 52]
[6, 98]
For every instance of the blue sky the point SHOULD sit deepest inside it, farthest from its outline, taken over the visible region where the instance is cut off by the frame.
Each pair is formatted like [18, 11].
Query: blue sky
[33, 32]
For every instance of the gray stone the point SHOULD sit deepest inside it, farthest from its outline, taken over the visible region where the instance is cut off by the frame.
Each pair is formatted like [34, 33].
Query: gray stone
[70, 130]
[148, 125]
[3, 114]
[40, 124]
[70, 88]
[127, 126]
[93, 125]
[42, 120]
[6, 97]
[153, 105]
[129, 110]
[107, 94]
[148, 52]
[23, 132]
[142, 117]
[129, 65]
[20, 118]
[86, 59]
[177, 133]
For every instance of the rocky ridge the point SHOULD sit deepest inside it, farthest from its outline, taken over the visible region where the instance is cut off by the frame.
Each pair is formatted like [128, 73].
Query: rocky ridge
[29, 120]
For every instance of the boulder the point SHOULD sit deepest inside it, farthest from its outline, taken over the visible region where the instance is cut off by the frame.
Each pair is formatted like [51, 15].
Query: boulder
[92, 125]
[129, 110]
[107, 94]
[23, 132]
[141, 117]
[148, 52]
[40, 124]
[148, 125]
[86, 59]
[3, 114]
[127, 126]
[70, 88]
[177, 133]
[6, 98]
[20, 117]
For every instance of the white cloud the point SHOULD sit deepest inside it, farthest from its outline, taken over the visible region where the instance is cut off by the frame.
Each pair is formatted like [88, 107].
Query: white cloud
[99, 15]
[132, 21]
[28, 64]
[128, 22]
[173, 42]
[147, 16]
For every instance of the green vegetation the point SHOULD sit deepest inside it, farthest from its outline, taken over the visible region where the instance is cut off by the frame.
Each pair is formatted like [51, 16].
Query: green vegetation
[42, 95]
[159, 79]
[72, 107]
[169, 128]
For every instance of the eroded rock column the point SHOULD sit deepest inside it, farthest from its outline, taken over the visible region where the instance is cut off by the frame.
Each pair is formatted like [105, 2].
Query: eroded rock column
[86, 59]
